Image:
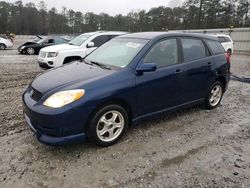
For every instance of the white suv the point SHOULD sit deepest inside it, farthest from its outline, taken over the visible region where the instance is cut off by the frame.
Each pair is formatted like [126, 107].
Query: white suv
[76, 49]
[227, 43]
[5, 43]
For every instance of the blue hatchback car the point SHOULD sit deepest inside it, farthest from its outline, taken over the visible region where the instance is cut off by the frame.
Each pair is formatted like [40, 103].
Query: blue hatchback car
[128, 79]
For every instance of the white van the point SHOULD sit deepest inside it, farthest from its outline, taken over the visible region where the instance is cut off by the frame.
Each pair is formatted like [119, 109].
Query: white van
[76, 49]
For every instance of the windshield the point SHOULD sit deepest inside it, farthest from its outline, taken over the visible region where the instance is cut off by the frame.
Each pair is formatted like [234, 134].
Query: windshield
[39, 41]
[78, 41]
[117, 52]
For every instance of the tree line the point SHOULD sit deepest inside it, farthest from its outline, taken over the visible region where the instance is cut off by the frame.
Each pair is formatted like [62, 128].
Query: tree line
[29, 18]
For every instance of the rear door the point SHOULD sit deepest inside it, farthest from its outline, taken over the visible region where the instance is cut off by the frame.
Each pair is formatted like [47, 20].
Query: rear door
[163, 88]
[197, 67]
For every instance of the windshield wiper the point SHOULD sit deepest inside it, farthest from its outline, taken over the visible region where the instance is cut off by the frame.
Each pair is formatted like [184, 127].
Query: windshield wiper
[82, 60]
[70, 43]
[101, 65]
[95, 63]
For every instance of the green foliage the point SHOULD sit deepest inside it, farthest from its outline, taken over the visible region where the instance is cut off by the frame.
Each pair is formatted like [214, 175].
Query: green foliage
[193, 14]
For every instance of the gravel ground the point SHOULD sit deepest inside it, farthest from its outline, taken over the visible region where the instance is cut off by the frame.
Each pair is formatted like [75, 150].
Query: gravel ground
[190, 148]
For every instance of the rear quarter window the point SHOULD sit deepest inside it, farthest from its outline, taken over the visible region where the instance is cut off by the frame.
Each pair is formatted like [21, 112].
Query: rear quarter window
[215, 47]
[222, 39]
[228, 39]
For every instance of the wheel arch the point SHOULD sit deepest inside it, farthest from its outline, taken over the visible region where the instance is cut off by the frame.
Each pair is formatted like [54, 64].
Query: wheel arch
[121, 102]
[3, 44]
[223, 81]
[66, 59]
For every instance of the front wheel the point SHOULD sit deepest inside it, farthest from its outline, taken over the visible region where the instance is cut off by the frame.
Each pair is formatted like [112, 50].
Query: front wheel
[214, 95]
[30, 51]
[2, 47]
[108, 125]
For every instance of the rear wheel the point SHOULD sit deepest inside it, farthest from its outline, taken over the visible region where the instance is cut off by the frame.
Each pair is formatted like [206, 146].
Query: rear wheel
[108, 125]
[214, 95]
[30, 51]
[2, 47]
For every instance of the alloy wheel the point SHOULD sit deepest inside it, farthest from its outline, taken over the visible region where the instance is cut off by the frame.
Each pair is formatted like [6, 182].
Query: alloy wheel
[215, 95]
[30, 51]
[110, 126]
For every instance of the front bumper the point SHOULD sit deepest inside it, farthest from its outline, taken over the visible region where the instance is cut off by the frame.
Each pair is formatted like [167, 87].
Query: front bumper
[44, 65]
[55, 141]
[56, 126]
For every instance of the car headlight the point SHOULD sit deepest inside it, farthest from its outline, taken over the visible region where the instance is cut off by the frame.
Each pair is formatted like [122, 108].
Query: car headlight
[52, 54]
[63, 98]
[23, 47]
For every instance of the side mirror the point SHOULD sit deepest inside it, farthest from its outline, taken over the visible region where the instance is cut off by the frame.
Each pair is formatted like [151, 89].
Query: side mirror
[146, 67]
[90, 44]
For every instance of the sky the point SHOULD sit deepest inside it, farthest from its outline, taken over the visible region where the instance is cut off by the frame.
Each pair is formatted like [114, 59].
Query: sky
[111, 7]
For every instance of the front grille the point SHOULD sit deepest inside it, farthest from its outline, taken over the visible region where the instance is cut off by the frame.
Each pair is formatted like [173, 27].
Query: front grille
[35, 95]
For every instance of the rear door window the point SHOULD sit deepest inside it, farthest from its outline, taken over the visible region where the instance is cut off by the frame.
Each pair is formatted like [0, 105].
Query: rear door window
[215, 47]
[193, 49]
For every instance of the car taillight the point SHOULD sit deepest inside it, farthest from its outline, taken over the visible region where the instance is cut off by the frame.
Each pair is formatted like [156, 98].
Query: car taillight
[228, 57]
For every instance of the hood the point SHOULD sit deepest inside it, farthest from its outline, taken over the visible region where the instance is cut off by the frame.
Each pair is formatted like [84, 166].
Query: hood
[60, 47]
[77, 73]
[4, 40]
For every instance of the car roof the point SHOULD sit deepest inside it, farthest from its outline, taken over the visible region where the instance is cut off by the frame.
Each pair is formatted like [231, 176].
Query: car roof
[158, 35]
[111, 33]
[221, 35]
[105, 33]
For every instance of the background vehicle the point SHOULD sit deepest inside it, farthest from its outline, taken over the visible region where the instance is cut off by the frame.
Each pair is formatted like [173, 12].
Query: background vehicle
[76, 49]
[5, 43]
[227, 43]
[36, 45]
[128, 79]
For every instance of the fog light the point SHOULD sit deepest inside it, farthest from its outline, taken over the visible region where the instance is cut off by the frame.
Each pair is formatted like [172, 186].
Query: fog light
[50, 62]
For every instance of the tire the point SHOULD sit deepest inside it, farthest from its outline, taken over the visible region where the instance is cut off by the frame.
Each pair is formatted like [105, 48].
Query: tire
[214, 95]
[108, 125]
[30, 51]
[2, 46]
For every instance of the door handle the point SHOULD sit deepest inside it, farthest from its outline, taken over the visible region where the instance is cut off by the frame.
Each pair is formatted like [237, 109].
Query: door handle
[178, 71]
[209, 64]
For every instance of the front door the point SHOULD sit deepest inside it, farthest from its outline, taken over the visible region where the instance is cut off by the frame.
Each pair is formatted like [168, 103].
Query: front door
[163, 88]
